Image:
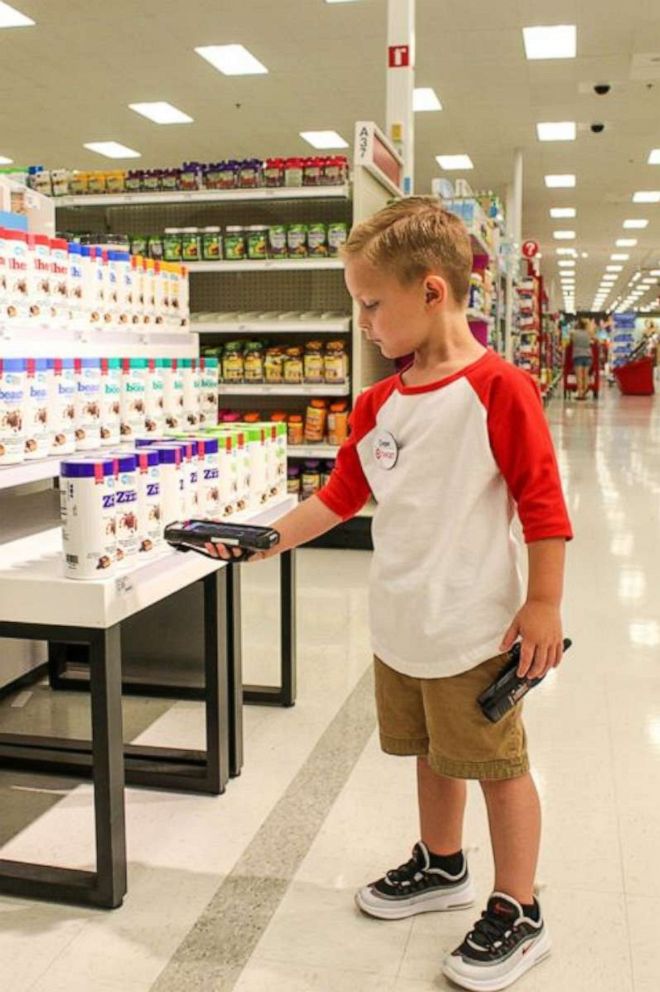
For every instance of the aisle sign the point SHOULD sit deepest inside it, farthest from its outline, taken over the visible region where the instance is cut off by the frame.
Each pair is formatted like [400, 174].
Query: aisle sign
[530, 249]
[399, 56]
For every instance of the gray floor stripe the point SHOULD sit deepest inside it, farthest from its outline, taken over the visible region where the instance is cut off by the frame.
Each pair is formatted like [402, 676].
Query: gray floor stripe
[214, 953]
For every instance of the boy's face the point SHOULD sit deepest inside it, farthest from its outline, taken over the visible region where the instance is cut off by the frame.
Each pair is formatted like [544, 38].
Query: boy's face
[394, 316]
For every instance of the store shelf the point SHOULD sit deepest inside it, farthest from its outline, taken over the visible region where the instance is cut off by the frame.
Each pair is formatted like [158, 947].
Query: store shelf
[267, 265]
[312, 451]
[284, 389]
[28, 342]
[281, 325]
[342, 192]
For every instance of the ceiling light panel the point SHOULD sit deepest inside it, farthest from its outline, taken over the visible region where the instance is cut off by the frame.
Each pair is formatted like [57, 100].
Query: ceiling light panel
[614, 268]
[647, 196]
[12, 18]
[232, 60]
[566, 263]
[654, 157]
[626, 242]
[566, 251]
[112, 149]
[324, 139]
[454, 163]
[558, 41]
[558, 212]
[635, 224]
[425, 98]
[161, 113]
[564, 235]
[619, 257]
[556, 131]
[5, 161]
[566, 181]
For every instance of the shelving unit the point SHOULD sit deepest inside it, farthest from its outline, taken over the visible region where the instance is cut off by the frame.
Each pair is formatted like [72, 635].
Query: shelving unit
[288, 288]
[202, 196]
[284, 324]
[284, 389]
[106, 343]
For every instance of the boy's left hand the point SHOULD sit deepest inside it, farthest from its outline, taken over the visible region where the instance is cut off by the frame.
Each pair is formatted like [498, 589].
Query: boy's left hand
[539, 626]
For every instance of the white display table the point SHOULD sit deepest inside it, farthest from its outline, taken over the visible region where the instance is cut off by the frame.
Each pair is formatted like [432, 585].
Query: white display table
[38, 603]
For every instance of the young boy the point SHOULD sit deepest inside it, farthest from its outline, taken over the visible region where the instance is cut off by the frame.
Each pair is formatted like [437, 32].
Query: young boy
[448, 449]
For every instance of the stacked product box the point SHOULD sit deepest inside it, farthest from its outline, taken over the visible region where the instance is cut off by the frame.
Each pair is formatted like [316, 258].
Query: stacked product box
[54, 284]
[57, 406]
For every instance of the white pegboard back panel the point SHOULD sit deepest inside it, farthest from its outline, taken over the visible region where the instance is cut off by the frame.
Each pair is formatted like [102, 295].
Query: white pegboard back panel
[270, 290]
[154, 218]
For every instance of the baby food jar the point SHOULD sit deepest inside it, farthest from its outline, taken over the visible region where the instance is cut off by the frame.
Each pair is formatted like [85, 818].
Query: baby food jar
[296, 240]
[311, 478]
[312, 171]
[277, 243]
[316, 418]
[249, 172]
[317, 240]
[293, 365]
[293, 480]
[337, 238]
[335, 362]
[337, 423]
[273, 172]
[313, 362]
[257, 242]
[190, 245]
[211, 244]
[326, 472]
[254, 362]
[172, 244]
[274, 365]
[235, 247]
[295, 430]
[293, 171]
[233, 367]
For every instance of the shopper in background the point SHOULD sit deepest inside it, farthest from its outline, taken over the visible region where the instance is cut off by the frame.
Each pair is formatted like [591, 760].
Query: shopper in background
[444, 447]
[581, 339]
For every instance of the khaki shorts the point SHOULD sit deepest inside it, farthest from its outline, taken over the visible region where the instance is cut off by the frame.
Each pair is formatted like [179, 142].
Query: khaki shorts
[441, 719]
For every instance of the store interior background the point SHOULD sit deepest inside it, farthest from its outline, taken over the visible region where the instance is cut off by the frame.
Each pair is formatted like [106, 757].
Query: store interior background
[69, 81]
[326, 71]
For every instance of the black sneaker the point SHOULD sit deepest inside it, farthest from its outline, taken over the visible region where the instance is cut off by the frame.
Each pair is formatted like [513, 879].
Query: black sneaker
[503, 945]
[415, 888]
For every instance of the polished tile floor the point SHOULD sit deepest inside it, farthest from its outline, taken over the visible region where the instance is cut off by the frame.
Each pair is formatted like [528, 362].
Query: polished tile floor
[252, 891]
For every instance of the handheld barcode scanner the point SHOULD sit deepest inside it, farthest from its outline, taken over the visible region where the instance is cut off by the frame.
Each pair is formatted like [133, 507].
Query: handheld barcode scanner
[508, 688]
[193, 535]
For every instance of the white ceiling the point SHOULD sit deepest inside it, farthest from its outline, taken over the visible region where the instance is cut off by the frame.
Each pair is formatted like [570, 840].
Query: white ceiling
[69, 81]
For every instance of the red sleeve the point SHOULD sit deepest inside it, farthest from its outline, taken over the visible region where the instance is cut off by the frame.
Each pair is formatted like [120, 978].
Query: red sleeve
[348, 489]
[521, 442]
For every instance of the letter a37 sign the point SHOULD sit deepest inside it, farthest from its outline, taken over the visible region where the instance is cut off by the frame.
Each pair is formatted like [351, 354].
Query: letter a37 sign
[398, 56]
[530, 249]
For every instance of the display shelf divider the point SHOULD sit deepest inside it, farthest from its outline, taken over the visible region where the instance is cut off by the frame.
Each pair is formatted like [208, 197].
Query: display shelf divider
[267, 265]
[284, 389]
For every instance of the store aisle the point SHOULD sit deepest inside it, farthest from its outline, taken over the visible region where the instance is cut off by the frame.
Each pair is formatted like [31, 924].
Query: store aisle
[253, 891]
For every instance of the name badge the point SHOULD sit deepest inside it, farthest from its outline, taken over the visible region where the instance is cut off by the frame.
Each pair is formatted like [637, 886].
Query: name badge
[386, 450]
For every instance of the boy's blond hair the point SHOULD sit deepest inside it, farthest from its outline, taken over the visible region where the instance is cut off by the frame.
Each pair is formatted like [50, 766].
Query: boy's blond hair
[412, 237]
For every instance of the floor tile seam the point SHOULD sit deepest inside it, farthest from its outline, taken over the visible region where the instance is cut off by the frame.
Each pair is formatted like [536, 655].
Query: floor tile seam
[353, 723]
[58, 955]
[631, 958]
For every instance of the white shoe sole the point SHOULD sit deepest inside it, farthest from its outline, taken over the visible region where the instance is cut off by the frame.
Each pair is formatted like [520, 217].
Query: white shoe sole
[535, 955]
[461, 897]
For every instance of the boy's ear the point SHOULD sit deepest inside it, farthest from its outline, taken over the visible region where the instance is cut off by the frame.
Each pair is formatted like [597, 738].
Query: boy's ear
[434, 290]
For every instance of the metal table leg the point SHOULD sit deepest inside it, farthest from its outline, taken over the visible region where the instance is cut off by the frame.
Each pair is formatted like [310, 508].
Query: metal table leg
[283, 694]
[181, 769]
[106, 886]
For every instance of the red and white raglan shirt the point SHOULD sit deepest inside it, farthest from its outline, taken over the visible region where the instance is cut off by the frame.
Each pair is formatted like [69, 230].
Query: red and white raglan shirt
[449, 464]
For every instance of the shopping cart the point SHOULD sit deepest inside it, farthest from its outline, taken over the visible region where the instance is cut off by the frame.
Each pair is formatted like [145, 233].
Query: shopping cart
[635, 377]
[570, 379]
